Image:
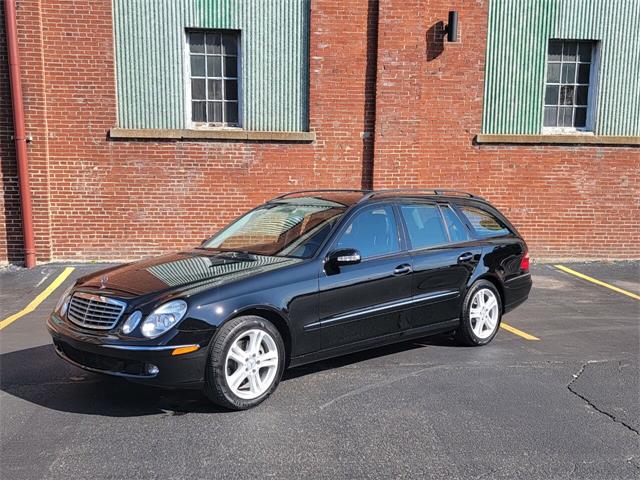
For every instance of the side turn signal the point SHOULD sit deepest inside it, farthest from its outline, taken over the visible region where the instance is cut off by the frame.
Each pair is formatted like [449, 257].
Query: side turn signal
[183, 350]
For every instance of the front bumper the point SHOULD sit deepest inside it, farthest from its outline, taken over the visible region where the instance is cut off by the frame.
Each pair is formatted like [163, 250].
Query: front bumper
[104, 354]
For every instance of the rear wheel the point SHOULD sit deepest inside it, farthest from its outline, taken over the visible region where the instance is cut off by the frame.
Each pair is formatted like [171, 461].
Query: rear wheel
[481, 314]
[245, 363]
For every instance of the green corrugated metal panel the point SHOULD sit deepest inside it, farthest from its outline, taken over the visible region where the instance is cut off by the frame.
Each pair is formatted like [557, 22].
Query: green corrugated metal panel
[149, 47]
[519, 31]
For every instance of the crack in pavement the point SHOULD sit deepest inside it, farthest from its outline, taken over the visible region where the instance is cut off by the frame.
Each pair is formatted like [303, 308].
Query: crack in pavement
[632, 462]
[591, 404]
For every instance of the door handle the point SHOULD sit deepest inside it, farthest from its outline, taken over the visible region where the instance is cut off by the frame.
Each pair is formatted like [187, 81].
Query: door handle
[465, 257]
[402, 269]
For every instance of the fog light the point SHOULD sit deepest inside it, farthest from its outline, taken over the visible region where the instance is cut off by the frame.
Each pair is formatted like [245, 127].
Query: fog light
[152, 369]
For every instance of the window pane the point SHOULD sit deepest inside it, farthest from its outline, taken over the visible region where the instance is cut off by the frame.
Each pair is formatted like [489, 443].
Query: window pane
[373, 232]
[196, 42]
[198, 111]
[230, 66]
[197, 65]
[574, 84]
[213, 43]
[213, 57]
[231, 112]
[569, 52]
[197, 89]
[485, 224]
[584, 52]
[550, 116]
[568, 73]
[229, 44]
[565, 117]
[215, 89]
[555, 51]
[583, 73]
[214, 68]
[457, 230]
[553, 73]
[215, 112]
[582, 94]
[231, 89]
[581, 117]
[551, 95]
[424, 225]
[566, 94]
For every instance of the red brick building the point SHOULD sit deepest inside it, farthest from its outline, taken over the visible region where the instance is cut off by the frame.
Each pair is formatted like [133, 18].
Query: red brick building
[384, 100]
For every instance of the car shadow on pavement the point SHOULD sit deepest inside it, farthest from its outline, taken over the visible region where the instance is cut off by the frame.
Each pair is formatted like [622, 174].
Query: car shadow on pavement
[337, 362]
[38, 376]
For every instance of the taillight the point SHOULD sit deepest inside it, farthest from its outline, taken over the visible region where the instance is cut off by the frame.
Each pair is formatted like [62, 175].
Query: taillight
[524, 263]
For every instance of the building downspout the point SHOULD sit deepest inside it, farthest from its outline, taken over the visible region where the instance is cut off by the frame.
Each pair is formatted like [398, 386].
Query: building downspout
[19, 133]
[371, 81]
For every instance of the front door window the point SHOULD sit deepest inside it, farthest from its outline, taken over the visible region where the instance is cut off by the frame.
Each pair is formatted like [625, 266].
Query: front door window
[372, 232]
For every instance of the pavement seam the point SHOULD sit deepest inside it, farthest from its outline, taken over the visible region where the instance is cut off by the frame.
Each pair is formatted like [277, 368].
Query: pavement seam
[371, 386]
[582, 397]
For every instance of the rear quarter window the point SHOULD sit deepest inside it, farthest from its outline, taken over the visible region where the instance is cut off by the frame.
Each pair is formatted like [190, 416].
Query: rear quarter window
[485, 224]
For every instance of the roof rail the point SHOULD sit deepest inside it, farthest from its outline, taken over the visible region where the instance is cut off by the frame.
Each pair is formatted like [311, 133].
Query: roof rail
[326, 190]
[428, 191]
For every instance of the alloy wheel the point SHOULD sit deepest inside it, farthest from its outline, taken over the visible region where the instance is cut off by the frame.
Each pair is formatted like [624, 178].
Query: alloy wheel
[483, 313]
[251, 364]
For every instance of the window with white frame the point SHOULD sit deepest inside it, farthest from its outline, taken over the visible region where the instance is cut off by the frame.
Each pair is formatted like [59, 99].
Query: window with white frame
[567, 89]
[213, 72]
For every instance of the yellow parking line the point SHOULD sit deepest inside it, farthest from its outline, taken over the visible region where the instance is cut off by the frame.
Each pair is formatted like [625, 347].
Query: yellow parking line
[515, 331]
[597, 282]
[39, 299]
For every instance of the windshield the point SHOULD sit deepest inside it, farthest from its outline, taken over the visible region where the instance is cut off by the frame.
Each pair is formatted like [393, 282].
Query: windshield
[280, 229]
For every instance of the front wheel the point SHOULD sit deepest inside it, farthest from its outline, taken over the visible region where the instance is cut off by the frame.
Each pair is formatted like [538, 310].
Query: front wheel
[481, 314]
[245, 363]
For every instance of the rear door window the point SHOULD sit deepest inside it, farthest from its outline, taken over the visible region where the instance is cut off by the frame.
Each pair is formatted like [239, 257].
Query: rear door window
[484, 224]
[424, 225]
[458, 231]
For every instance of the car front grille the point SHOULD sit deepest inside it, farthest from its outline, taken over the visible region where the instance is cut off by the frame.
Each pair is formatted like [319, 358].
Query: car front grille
[94, 311]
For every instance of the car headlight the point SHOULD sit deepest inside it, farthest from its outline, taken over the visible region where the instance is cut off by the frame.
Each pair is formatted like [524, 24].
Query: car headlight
[63, 303]
[163, 318]
[132, 322]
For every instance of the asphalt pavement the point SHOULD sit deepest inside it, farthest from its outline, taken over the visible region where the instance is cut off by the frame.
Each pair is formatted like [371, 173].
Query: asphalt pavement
[564, 406]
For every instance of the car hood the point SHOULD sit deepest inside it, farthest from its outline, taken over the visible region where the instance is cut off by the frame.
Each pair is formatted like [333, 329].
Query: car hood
[179, 271]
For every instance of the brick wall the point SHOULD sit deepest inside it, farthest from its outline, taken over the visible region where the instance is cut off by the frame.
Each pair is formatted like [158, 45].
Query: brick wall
[107, 199]
[580, 201]
[96, 198]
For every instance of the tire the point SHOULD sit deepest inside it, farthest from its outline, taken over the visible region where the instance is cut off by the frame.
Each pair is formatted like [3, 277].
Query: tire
[243, 348]
[475, 327]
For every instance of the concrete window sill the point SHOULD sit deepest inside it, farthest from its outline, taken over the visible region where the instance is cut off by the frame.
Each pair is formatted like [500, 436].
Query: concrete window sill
[186, 134]
[559, 139]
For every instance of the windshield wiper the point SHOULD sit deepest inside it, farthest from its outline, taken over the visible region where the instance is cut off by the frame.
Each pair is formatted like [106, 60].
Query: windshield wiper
[238, 256]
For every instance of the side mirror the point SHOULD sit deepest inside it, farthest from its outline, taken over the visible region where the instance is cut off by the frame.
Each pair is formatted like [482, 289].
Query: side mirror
[342, 257]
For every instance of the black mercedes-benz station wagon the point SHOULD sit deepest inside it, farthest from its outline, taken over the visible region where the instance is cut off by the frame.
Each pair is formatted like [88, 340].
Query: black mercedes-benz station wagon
[306, 276]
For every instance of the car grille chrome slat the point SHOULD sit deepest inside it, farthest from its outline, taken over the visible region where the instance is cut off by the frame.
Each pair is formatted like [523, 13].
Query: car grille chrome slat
[95, 311]
[87, 313]
[86, 303]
